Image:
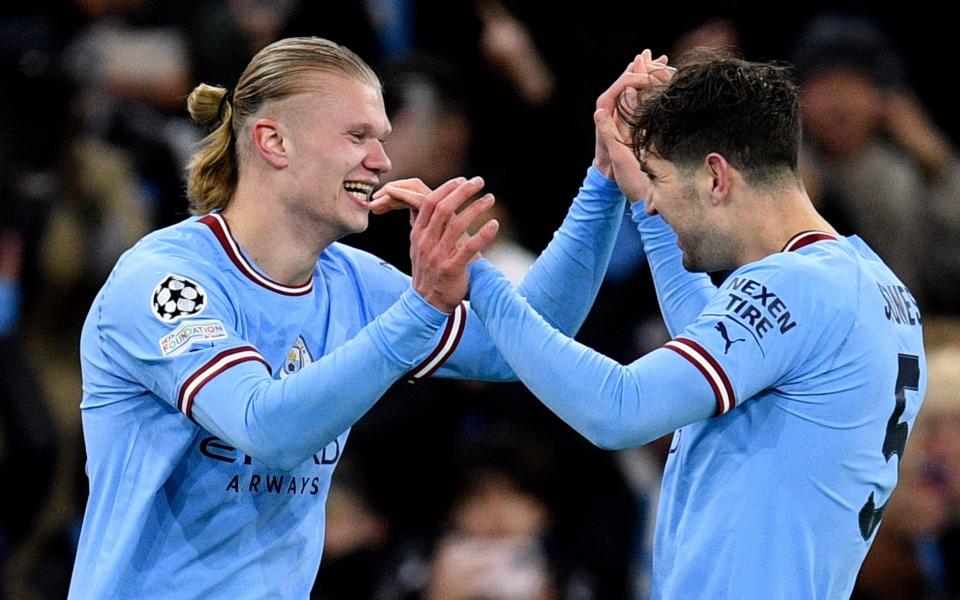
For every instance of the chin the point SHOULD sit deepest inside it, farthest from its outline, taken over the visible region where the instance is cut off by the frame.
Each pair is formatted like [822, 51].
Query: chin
[695, 268]
[360, 226]
[692, 265]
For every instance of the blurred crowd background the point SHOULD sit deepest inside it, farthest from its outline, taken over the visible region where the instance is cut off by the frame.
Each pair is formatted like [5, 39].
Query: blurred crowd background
[452, 490]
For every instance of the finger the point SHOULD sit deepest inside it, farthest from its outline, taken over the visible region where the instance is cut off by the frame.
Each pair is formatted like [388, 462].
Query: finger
[430, 203]
[630, 98]
[407, 198]
[386, 204]
[413, 184]
[610, 94]
[625, 80]
[624, 131]
[462, 221]
[605, 126]
[477, 242]
[612, 130]
[661, 74]
[447, 207]
[639, 62]
[600, 118]
[476, 208]
[655, 66]
[634, 80]
[646, 56]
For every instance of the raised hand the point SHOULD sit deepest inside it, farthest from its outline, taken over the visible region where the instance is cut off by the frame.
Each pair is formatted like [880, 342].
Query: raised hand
[440, 247]
[614, 155]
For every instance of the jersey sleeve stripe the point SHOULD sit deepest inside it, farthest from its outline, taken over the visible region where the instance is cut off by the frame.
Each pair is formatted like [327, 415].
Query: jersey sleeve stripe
[711, 369]
[449, 341]
[217, 365]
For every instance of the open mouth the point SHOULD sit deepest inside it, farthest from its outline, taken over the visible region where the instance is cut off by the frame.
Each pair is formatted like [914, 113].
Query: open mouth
[359, 190]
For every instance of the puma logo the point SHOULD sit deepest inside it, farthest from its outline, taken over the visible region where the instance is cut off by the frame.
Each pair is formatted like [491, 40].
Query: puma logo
[722, 328]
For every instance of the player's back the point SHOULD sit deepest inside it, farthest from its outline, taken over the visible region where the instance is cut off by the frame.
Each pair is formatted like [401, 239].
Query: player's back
[780, 497]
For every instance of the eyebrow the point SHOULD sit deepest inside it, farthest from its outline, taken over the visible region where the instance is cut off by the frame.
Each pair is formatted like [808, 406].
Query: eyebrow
[368, 129]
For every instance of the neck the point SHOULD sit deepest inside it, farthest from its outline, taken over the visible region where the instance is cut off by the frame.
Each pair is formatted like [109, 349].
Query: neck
[771, 220]
[284, 245]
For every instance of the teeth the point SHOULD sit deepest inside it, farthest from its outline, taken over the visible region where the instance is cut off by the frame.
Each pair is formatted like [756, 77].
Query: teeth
[359, 190]
[358, 195]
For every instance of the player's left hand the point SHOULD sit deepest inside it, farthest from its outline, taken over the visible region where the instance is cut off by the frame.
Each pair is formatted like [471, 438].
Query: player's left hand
[440, 246]
[641, 74]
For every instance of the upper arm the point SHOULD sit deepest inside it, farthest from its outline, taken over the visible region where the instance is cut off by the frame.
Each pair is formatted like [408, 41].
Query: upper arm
[767, 323]
[167, 324]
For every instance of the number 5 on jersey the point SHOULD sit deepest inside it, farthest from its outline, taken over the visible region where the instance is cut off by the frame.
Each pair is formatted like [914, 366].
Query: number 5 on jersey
[908, 378]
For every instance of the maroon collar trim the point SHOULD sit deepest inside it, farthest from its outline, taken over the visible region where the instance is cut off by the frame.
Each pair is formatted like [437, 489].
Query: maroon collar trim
[221, 230]
[805, 238]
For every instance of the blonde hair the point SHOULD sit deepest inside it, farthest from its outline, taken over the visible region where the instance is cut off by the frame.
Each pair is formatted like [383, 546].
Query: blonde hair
[277, 71]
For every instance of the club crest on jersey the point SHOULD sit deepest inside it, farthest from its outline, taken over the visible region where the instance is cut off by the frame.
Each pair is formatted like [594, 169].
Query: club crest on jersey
[176, 297]
[297, 358]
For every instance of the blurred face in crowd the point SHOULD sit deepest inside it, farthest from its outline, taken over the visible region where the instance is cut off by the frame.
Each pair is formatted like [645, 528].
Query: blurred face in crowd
[842, 110]
[334, 142]
[496, 507]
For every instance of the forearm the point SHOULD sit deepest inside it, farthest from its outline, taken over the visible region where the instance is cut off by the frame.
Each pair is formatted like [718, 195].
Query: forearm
[682, 295]
[612, 405]
[283, 422]
[563, 283]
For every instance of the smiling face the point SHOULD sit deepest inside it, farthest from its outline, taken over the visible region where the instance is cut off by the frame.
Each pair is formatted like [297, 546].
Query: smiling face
[334, 140]
[681, 196]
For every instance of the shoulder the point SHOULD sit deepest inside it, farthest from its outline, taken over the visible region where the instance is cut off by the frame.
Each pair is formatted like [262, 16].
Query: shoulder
[825, 268]
[170, 272]
[810, 289]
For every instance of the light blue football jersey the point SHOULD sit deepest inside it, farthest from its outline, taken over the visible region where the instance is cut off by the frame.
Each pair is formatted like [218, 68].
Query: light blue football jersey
[217, 402]
[792, 388]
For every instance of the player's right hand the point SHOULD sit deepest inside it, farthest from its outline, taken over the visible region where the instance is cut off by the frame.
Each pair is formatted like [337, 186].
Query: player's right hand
[614, 152]
[400, 194]
[441, 248]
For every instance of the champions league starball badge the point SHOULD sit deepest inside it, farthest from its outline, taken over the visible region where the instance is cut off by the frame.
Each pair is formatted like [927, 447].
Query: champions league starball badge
[176, 297]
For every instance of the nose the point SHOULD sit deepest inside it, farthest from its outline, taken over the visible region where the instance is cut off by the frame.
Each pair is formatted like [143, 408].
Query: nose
[377, 159]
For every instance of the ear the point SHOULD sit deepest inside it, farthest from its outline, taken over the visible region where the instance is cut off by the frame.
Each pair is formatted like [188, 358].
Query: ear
[270, 143]
[721, 174]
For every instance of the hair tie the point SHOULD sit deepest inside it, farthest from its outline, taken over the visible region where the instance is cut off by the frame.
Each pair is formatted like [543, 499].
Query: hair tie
[223, 103]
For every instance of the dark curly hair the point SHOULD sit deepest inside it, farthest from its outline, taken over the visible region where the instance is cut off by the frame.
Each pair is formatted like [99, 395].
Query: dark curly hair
[748, 112]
